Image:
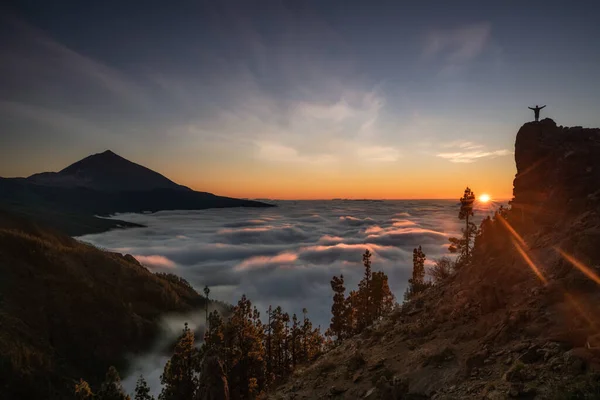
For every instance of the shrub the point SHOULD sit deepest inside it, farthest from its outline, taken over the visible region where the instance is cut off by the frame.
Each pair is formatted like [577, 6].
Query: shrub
[442, 270]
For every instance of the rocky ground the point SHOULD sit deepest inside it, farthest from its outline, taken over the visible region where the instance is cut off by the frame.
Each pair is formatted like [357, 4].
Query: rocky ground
[496, 330]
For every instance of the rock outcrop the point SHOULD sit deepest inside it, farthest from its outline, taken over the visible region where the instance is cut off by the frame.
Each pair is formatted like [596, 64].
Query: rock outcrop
[558, 171]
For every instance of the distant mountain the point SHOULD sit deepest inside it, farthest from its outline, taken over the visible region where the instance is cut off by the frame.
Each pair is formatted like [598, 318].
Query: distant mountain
[106, 171]
[102, 185]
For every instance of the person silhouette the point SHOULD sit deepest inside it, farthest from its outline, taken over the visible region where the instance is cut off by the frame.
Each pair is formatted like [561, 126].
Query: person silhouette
[536, 111]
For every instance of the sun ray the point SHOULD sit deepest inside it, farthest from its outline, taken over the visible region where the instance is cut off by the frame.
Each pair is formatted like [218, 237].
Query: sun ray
[513, 231]
[530, 263]
[587, 271]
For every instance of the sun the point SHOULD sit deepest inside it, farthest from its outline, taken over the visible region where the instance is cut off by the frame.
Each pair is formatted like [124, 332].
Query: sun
[484, 198]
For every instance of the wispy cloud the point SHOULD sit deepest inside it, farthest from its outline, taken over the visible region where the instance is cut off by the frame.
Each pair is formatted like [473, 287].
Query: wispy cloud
[467, 152]
[276, 152]
[472, 156]
[466, 145]
[35, 59]
[379, 154]
[456, 47]
[334, 112]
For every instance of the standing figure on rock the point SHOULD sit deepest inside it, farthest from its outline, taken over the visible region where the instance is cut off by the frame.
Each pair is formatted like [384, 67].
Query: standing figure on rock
[536, 111]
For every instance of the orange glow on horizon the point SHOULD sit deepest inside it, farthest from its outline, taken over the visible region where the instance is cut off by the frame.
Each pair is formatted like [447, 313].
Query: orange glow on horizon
[355, 188]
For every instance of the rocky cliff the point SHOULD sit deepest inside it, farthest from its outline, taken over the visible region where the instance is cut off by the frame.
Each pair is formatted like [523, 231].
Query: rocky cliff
[521, 321]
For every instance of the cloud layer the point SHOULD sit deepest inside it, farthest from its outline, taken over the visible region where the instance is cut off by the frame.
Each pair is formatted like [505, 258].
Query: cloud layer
[287, 255]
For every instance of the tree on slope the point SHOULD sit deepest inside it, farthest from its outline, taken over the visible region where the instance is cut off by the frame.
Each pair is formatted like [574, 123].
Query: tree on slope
[365, 312]
[417, 283]
[337, 328]
[462, 246]
[83, 390]
[381, 295]
[142, 390]
[246, 354]
[180, 375]
[111, 388]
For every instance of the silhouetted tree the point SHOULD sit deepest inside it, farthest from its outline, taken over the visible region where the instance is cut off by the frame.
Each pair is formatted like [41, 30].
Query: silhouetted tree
[111, 388]
[381, 295]
[441, 270]
[295, 341]
[246, 358]
[365, 313]
[352, 304]
[337, 328]
[417, 283]
[462, 246]
[269, 346]
[142, 391]
[206, 293]
[83, 390]
[305, 331]
[492, 236]
[214, 337]
[179, 378]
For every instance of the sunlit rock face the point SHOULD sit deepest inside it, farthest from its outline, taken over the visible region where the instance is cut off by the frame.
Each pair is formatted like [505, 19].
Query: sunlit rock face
[558, 171]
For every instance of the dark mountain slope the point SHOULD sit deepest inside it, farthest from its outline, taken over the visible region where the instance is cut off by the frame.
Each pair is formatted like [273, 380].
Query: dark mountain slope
[106, 171]
[522, 320]
[102, 184]
[69, 310]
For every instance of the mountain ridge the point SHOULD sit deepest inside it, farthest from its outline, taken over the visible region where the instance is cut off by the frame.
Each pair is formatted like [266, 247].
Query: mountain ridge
[106, 171]
[102, 184]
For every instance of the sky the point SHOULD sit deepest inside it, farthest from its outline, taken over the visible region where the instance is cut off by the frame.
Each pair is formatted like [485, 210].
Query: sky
[294, 99]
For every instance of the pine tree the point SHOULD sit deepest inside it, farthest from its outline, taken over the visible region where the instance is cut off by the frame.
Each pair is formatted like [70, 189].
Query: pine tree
[111, 388]
[206, 293]
[462, 246]
[416, 284]
[214, 336]
[142, 391]
[180, 375]
[83, 390]
[315, 343]
[351, 308]
[269, 346]
[382, 297]
[305, 331]
[365, 313]
[337, 327]
[246, 358]
[295, 341]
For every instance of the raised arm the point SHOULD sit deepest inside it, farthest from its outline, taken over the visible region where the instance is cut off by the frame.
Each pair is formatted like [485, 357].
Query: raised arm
[530, 108]
[542, 107]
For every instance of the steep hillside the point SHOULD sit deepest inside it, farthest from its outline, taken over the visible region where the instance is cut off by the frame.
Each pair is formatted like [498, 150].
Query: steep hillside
[521, 321]
[69, 310]
[106, 171]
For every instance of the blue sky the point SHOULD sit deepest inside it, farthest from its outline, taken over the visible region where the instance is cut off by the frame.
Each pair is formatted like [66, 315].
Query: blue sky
[295, 99]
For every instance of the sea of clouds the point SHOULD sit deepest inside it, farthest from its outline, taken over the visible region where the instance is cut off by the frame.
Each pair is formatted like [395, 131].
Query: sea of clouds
[286, 255]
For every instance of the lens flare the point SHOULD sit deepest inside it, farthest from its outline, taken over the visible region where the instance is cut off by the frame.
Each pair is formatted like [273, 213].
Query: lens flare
[587, 271]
